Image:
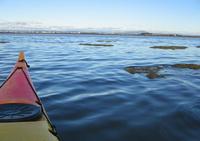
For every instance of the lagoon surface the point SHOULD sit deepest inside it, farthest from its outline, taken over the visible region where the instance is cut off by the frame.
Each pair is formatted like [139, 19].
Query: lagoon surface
[90, 97]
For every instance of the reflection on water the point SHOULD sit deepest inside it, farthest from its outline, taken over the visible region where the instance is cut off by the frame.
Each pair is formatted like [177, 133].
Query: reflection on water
[89, 96]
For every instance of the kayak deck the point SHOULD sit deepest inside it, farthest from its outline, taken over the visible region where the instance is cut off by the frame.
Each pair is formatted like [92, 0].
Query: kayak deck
[22, 115]
[26, 131]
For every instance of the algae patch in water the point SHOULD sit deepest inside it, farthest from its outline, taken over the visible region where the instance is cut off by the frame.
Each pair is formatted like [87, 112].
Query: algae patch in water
[96, 45]
[142, 69]
[150, 71]
[106, 41]
[153, 75]
[169, 47]
[187, 66]
[4, 42]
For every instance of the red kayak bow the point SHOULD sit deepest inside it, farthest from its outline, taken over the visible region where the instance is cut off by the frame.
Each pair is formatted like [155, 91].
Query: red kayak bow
[18, 87]
[22, 115]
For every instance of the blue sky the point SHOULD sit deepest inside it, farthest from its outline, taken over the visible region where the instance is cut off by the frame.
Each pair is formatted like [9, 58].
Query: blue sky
[151, 15]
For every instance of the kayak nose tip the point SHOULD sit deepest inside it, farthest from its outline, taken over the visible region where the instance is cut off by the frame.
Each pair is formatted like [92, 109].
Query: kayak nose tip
[21, 56]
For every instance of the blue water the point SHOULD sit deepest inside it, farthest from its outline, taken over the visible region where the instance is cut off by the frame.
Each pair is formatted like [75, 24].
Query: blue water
[90, 97]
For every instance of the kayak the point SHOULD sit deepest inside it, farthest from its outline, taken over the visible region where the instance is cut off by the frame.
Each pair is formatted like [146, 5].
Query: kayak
[22, 115]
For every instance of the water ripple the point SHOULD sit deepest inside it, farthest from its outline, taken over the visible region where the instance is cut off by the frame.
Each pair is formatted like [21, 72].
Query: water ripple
[89, 96]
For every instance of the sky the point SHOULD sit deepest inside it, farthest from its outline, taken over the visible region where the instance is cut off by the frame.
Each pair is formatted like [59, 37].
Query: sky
[180, 16]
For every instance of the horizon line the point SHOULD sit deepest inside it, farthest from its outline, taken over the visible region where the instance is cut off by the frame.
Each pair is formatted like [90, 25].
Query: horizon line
[97, 33]
[39, 26]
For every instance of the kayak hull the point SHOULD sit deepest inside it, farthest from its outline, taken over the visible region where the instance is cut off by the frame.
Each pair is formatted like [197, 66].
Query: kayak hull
[22, 115]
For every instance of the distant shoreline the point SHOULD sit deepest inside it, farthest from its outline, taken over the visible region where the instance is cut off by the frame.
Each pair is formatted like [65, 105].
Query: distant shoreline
[99, 33]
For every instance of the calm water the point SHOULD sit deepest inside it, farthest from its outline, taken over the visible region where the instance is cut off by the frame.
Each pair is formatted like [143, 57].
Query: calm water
[89, 96]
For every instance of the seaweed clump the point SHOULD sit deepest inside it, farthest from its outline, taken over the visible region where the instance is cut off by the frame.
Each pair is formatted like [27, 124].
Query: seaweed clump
[169, 47]
[107, 41]
[137, 69]
[4, 42]
[187, 66]
[150, 71]
[153, 75]
[97, 45]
